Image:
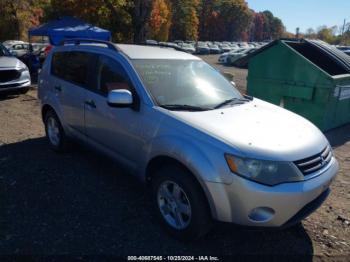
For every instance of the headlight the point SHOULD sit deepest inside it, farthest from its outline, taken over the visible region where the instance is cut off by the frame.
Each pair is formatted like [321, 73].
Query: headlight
[23, 69]
[265, 172]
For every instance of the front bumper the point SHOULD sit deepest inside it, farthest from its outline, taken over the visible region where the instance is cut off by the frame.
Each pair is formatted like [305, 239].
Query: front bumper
[251, 204]
[24, 81]
[4, 88]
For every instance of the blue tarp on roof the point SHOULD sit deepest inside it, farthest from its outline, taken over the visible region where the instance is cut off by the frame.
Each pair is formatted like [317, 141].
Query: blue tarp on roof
[67, 28]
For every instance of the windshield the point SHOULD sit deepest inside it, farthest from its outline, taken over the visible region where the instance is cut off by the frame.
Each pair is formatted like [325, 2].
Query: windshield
[4, 51]
[185, 82]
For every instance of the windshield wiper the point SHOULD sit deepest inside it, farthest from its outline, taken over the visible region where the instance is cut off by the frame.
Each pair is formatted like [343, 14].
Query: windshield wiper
[233, 100]
[186, 107]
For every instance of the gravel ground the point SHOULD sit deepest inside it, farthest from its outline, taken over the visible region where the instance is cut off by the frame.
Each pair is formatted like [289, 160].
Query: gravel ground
[82, 203]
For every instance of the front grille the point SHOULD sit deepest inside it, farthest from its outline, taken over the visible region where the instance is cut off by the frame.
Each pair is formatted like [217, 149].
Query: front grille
[10, 85]
[314, 163]
[9, 75]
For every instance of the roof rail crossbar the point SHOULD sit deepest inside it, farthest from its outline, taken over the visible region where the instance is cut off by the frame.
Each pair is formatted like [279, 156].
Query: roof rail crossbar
[78, 41]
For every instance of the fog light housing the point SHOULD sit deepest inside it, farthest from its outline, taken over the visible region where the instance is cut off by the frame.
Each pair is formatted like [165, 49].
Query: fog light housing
[261, 214]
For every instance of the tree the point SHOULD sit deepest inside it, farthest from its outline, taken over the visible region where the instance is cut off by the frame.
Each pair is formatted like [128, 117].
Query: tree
[273, 26]
[258, 27]
[113, 15]
[185, 20]
[208, 19]
[134, 20]
[18, 16]
[236, 16]
[140, 12]
[160, 20]
[277, 28]
[326, 34]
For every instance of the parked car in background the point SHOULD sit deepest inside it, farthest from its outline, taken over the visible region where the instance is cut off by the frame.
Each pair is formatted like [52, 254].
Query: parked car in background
[234, 46]
[343, 48]
[18, 48]
[214, 49]
[223, 57]
[188, 48]
[235, 56]
[39, 46]
[14, 74]
[169, 44]
[12, 42]
[205, 151]
[243, 45]
[151, 42]
[225, 48]
[178, 42]
[202, 48]
[33, 58]
[347, 52]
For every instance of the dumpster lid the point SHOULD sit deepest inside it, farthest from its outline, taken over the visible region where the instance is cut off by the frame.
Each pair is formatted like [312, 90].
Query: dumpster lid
[325, 56]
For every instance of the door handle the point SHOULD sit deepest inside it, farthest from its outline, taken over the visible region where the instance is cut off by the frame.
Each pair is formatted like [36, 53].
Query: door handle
[90, 103]
[58, 88]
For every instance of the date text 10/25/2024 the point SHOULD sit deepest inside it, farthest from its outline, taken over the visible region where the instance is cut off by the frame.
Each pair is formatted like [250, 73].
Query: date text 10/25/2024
[172, 258]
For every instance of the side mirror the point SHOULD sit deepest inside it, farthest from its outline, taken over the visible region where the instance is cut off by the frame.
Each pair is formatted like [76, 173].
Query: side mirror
[228, 76]
[120, 98]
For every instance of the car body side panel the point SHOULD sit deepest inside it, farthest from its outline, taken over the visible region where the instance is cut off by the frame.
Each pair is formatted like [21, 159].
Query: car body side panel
[135, 138]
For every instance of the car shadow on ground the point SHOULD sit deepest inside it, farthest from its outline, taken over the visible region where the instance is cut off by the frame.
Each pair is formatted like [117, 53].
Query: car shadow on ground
[4, 97]
[81, 203]
[338, 136]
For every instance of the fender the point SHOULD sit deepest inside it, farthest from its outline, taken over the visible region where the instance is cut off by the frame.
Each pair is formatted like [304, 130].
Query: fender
[192, 156]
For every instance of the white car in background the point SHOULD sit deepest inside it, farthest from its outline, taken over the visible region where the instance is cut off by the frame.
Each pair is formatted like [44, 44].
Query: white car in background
[223, 58]
[231, 58]
[17, 48]
[14, 75]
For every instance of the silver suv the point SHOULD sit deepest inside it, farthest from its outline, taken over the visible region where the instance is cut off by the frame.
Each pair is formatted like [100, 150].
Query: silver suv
[206, 151]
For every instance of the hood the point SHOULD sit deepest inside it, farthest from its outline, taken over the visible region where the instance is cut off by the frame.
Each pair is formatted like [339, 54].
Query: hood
[259, 130]
[10, 62]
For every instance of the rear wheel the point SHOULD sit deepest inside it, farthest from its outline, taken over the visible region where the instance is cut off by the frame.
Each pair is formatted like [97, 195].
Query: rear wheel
[180, 204]
[55, 133]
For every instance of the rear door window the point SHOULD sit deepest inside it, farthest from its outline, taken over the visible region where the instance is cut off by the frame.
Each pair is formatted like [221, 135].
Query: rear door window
[72, 66]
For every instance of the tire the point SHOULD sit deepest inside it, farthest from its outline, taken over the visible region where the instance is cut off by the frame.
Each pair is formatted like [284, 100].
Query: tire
[60, 142]
[198, 221]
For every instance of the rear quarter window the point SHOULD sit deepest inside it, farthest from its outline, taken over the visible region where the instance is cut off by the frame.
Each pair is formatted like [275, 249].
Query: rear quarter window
[72, 66]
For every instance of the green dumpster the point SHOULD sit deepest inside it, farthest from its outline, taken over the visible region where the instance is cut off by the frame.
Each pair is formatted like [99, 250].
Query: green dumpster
[308, 77]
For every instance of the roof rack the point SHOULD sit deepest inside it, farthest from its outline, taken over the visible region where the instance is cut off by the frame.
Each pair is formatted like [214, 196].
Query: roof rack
[78, 41]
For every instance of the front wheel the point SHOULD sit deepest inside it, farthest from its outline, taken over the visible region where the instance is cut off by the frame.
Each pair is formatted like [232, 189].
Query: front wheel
[180, 203]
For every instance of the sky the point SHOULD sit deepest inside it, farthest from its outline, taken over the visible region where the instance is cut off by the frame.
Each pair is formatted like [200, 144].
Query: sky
[305, 13]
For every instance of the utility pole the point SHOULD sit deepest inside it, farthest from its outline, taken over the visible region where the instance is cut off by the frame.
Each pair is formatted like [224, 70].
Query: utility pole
[343, 29]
